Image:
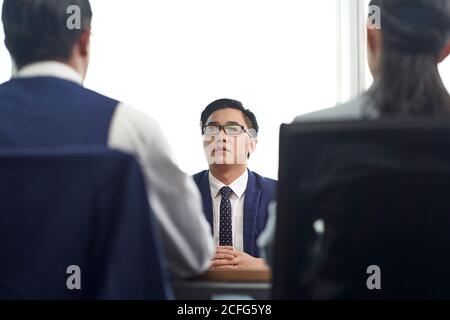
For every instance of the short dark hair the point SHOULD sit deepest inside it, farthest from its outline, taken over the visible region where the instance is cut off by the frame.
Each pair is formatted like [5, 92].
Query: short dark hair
[225, 104]
[36, 30]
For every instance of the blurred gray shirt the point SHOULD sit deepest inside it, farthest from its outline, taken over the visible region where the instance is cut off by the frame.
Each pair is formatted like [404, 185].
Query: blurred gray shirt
[353, 110]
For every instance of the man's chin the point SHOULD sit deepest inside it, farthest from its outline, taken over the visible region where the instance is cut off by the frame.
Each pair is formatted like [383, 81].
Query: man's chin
[223, 158]
[223, 163]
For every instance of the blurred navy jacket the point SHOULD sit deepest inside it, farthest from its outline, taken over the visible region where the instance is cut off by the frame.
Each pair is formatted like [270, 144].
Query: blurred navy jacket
[84, 207]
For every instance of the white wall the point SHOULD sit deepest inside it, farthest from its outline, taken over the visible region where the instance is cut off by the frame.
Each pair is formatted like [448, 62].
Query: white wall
[171, 58]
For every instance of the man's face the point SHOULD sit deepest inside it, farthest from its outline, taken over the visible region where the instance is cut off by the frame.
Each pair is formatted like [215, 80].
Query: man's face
[232, 148]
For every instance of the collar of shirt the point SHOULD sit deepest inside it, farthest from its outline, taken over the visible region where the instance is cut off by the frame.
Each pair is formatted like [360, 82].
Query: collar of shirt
[238, 186]
[49, 69]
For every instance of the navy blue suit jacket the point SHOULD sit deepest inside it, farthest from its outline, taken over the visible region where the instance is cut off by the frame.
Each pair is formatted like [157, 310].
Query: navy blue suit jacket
[259, 193]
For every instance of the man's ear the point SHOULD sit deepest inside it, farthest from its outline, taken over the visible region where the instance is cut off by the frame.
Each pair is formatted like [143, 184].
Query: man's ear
[374, 50]
[84, 41]
[444, 53]
[373, 40]
[252, 145]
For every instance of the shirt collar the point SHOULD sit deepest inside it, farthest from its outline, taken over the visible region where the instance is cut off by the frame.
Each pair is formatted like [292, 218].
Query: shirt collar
[49, 69]
[238, 186]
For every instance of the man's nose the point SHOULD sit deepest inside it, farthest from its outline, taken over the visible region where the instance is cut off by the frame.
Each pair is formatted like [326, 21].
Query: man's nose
[222, 135]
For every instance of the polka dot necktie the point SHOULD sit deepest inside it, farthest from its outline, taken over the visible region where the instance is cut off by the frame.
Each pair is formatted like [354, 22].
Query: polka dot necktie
[225, 233]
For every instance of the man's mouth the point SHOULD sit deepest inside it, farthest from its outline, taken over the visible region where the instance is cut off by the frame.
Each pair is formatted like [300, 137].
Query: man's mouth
[221, 149]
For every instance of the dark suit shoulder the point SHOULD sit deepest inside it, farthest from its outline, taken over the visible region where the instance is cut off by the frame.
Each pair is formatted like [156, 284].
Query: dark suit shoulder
[266, 185]
[199, 176]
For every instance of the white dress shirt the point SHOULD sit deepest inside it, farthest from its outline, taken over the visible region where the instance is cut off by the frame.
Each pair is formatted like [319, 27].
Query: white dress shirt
[173, 195]
[237, 199]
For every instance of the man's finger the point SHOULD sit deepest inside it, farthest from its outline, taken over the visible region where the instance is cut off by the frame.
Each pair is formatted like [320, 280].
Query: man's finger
[226, 251]
[225, 247]
[222, 262]
[221, 256]
[228, 267]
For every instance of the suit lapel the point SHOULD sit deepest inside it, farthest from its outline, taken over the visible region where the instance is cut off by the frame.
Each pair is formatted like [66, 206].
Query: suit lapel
[205, 190]
[251, 205]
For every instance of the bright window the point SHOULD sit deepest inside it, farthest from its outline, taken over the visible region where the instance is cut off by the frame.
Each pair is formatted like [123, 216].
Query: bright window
[171, 58]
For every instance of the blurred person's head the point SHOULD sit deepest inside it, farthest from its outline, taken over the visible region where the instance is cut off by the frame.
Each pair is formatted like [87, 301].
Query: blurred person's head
[40, 30]
[404, 55]
[229, 133]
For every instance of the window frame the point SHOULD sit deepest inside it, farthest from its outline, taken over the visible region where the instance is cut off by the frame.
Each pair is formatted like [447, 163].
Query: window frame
[351, 49]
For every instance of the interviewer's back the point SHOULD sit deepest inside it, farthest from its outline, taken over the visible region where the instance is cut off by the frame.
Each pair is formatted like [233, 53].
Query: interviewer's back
[46, 105]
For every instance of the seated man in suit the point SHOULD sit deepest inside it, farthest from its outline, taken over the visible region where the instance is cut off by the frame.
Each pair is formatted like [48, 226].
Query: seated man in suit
[46, 105]
[235, 199]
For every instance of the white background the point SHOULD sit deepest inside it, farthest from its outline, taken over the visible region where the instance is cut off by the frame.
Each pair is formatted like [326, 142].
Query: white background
[170, 58]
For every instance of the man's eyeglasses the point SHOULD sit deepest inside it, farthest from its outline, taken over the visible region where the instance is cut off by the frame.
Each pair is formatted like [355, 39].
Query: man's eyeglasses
[229, 129]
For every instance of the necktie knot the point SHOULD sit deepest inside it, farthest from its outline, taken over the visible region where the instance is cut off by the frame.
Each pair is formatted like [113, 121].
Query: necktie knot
[226, 192]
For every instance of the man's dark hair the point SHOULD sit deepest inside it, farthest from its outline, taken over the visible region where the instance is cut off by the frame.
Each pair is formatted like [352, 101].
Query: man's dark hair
[37, 30]
[225, 104]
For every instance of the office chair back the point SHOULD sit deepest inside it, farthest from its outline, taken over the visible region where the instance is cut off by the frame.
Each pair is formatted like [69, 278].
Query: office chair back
[75, 223]
[380, 192]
